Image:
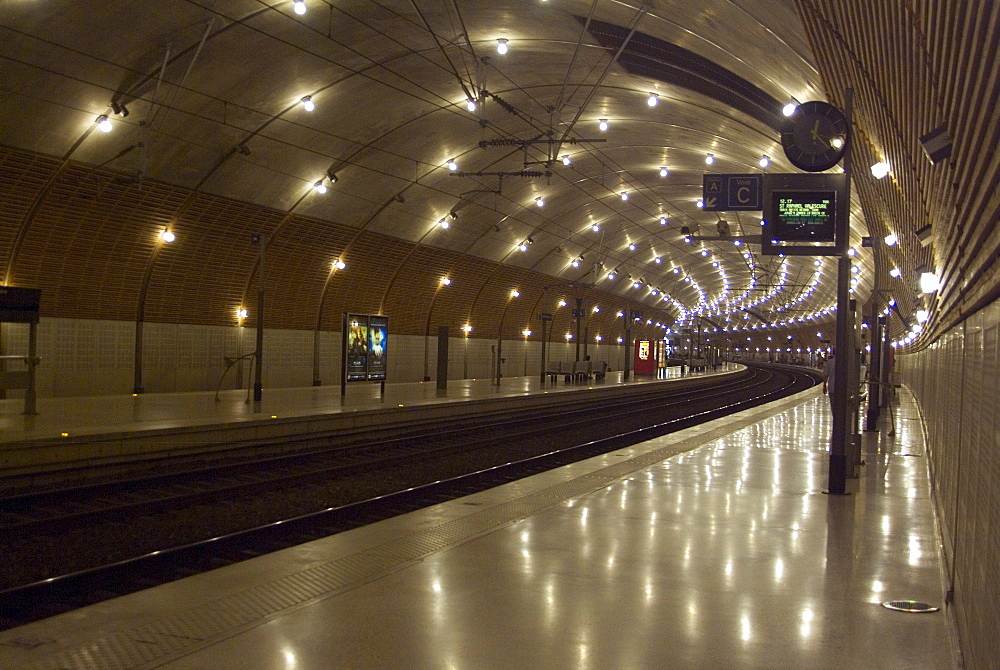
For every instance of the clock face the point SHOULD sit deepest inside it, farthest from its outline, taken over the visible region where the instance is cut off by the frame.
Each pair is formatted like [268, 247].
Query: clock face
[815, 136]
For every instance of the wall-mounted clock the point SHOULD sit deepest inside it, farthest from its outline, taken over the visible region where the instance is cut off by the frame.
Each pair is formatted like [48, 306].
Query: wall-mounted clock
[815, 136]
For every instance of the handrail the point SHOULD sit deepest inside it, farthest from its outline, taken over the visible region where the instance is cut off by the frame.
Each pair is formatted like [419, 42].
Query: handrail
[229, 367]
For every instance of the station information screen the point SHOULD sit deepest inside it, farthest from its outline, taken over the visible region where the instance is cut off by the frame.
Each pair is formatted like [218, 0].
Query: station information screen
[807, 216]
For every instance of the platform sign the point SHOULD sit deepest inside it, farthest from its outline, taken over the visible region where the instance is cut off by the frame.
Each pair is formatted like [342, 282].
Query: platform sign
[732, 192]
[544, 316]
[19, 305]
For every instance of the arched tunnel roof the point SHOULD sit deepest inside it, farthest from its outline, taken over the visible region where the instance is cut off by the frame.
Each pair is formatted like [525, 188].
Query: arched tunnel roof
[211, 138]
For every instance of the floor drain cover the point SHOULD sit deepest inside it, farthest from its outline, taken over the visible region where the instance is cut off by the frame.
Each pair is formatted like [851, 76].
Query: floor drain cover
[909, 606]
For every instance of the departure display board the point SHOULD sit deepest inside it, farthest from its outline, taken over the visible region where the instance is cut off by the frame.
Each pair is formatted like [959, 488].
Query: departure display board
[803, 216]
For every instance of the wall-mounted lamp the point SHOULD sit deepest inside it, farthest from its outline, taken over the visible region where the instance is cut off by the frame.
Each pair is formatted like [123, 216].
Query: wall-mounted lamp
[881, 169]
[929, 282]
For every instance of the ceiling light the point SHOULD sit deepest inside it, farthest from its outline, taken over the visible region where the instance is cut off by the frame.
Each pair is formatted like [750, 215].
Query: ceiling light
[526, 332]
[562, 303]
[880, 170]
[167, 236]
[242, 313]
[612, 276]
[501, 46]
[566, 161]
[446, 281]
[852, 252]
[523, 246]
[922, 315]
[576, 263]
[709, 159]
[104, 124]
[657, 260]
[596, 228]
[789, 109]
[443, 223]
[339, 264]
[308, 103]
[663, 221]
[700, 203]
[299, 6]
[624, 195]
[891, 239]
[540, 202]
[631, 246]
[452, 165]
[603, 124]
[515, 293]
[664, 172]
[320, 187]
[894, 272]
[929, 282]
[764, 161]
[470, 105]
[652, 100]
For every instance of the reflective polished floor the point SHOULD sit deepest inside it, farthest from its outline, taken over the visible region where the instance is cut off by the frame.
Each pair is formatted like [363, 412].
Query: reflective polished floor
[109, 414]
[714, 547]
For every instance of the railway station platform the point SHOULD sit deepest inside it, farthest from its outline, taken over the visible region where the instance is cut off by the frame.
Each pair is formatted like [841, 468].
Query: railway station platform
[119, 431]
[713, 547]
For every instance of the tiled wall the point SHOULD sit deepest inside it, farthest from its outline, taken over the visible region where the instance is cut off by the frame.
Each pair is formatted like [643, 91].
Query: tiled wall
[93, 357]
[957, 383]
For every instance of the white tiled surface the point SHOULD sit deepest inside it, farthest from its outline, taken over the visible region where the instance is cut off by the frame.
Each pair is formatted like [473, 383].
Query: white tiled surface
[726, 556]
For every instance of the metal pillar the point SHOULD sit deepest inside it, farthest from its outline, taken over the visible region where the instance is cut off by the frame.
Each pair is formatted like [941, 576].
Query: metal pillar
[442, 361]
[258, 386]
[837, 481]
[545, 341]
[579, 316]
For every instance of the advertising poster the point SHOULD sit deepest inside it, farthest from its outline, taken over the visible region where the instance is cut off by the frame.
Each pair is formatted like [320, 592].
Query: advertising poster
[357, 347]
[378, 341]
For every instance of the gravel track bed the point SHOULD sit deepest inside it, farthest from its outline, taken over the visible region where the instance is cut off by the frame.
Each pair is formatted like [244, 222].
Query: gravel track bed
[35, 559]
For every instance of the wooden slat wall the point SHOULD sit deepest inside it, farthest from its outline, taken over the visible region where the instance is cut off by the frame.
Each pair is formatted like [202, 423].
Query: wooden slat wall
[91, 239]
[916, 65]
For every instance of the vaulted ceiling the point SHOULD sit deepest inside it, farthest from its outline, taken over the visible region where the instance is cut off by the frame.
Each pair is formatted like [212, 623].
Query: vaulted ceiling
[211, 138]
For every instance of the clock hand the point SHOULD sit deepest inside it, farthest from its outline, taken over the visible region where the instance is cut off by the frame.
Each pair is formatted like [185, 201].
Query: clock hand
[814, 132]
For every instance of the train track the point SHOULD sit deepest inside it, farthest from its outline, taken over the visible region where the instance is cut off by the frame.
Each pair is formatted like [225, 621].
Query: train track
[493, 450]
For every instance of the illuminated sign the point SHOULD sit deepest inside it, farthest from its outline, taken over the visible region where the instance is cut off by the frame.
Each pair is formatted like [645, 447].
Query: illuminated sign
[803, 216]
[643, 350]
[366, 347]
